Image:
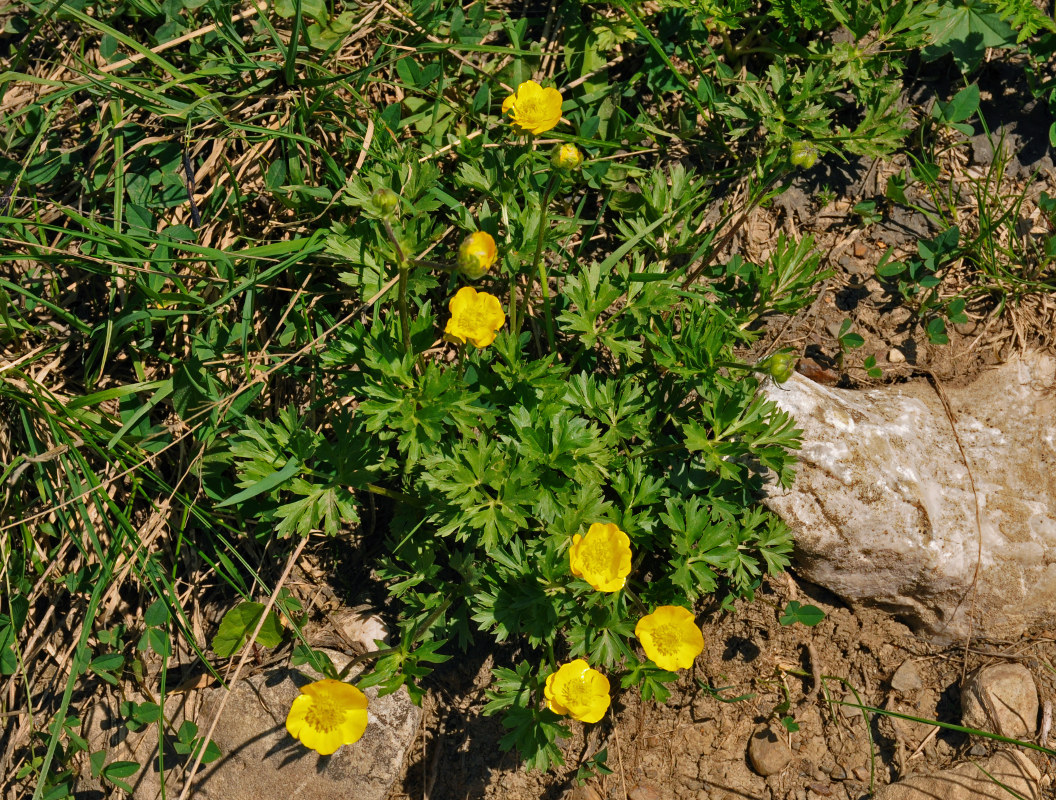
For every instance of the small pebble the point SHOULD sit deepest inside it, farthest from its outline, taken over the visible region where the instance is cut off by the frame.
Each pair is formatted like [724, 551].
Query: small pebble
[896, 356]
[824, 789]
[644, 791]
[838, 773]
[767, 752]
[861, 773]
[906, 678]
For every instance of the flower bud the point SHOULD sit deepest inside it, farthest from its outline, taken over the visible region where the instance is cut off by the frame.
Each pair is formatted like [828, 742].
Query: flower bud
[804, 154]
[385, 200]
[780, 366]
[476, 255]
[566, 156]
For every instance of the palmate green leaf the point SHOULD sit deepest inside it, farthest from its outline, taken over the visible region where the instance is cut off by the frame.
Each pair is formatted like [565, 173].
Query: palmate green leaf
[419, 410]
[328, 508]
[592, 297]
[534, 732]
[1024, 16]
[490, 492]
[966, 29]
[617, 404]
[518, 604]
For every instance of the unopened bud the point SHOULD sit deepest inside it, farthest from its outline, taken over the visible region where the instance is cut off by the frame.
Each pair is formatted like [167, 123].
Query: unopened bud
[566, 156]
[780, 366]
[476, 254]
[386, 201]
[804, 154]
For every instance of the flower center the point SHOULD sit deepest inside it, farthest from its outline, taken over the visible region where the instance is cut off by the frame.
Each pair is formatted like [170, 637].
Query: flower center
[576, 693]
[471, 319]
[666, 640]
[528, 109]
[595, 556]
[323, 715]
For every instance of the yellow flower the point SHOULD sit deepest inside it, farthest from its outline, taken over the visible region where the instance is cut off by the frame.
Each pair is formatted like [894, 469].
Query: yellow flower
[475, 317]
[602, 558]
[670, 637]
[476, 255]
[566, 156]
[535, 109]
[328, 714]
[578, 691]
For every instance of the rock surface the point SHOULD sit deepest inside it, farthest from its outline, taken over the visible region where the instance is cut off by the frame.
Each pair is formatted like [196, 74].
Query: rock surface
[1001, 698]
[260, 760]
[767, 752]
[968, 781]
[884, 512]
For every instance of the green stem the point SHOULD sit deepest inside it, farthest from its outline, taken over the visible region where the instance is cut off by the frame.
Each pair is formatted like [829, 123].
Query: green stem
[538, 265]
[388, 651]
[405, 268]
[405, 317]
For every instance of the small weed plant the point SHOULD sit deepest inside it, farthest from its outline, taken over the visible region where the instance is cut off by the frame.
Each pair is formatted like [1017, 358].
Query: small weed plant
[444, 283]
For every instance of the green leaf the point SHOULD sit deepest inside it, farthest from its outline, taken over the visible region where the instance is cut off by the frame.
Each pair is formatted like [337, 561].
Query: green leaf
[804, 614]
[292, 467]
[963, 105]
[937, 331]
[966, 29]
[157, 614]
[238, 624]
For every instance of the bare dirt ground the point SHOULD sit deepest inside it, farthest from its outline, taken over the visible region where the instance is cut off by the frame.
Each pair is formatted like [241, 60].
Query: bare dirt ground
[695, 746]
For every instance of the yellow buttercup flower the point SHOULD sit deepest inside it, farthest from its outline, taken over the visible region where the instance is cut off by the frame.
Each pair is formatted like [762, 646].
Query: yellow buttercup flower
[578, 691]
[476, 255]
[328, 714]
[670, 637]
[533, 108]
[475, 317]
[602, 558]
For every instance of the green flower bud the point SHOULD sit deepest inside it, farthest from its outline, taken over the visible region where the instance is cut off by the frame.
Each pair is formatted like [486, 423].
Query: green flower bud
[386, 201]
[566, 157]
[780, 366]
[804, 154]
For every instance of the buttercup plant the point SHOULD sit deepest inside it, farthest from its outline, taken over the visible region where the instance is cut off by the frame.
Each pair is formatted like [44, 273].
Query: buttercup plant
[476, 255]
[588, 457]
[670, 637]
[602, 558]
[475, 317]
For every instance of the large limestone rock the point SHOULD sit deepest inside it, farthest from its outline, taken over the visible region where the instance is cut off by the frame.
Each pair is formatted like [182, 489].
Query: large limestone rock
[972, 781]
[884, 513]
[260, 761]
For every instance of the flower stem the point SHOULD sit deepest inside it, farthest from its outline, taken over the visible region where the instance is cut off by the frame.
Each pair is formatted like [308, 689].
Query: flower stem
[540, 266]
[405, 317]
[405, 268]
[388, 651]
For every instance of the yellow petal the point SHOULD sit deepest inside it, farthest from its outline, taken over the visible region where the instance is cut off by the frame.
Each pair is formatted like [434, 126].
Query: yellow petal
[353, 727]
[298, 711]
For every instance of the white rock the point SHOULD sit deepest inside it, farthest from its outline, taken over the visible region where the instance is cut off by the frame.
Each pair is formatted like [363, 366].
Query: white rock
[968, 781]
[884, 513]
[896, 356]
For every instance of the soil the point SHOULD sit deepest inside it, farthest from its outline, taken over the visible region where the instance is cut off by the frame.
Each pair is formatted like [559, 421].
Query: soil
[695, 746]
